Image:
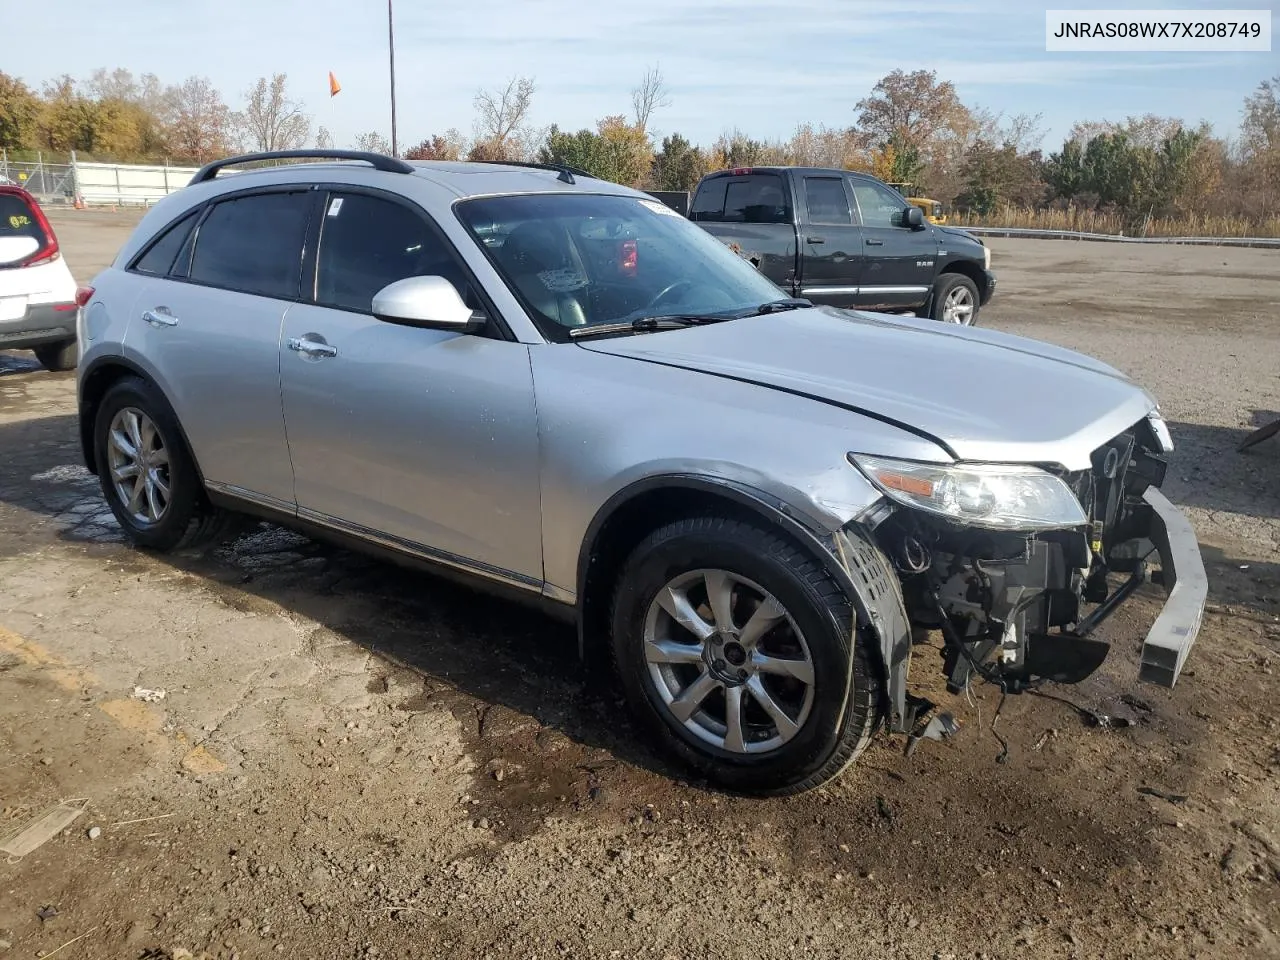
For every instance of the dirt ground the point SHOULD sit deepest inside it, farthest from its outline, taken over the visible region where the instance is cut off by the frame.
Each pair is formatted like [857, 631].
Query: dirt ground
[354, 761]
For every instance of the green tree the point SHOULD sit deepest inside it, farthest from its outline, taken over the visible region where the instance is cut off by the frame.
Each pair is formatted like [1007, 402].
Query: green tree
[678, 165]
[19, 114]
[584, 149]
[1064, 172]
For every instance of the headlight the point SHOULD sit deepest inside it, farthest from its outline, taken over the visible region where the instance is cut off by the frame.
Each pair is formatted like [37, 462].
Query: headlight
[986, 257]
[1161, 430]
[995, 496]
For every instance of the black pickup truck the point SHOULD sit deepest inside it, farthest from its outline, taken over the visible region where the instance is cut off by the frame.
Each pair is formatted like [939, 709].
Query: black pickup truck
[845, 239]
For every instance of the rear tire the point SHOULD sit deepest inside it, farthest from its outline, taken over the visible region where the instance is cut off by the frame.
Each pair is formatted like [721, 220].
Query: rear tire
[56, 357]
[801, 658]
[158, 497]
[955, 300]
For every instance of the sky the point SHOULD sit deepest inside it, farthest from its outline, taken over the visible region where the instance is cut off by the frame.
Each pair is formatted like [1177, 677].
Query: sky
[760, 66]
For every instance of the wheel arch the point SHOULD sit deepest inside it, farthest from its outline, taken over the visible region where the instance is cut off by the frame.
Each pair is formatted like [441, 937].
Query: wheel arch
[94, 382]
[643, 506]
[968, 269]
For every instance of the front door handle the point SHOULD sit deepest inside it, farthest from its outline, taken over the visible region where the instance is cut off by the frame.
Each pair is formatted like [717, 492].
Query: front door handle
[816, 239]
[160, 317]
[312, 347]
[875, 243]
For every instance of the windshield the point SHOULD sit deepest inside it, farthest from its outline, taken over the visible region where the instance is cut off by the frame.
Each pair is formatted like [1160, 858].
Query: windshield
[579, 260]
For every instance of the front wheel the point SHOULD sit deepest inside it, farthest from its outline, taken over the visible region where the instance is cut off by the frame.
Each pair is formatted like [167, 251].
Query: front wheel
[736, 648]
[955, 300]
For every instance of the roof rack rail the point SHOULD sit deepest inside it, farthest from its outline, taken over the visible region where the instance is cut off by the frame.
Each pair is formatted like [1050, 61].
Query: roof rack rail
[567, 173]
[379, 161]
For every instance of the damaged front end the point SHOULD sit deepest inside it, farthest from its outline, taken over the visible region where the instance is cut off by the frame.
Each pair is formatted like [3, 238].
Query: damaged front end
[1019, 593]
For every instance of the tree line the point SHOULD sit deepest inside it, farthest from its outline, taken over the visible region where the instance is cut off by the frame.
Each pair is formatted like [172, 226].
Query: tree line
[912, 129]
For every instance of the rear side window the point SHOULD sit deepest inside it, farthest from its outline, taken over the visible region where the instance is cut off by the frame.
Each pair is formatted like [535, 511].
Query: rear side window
[19, 220]
[368, 242]
[253, 244]
[160, 256]
[826, 200]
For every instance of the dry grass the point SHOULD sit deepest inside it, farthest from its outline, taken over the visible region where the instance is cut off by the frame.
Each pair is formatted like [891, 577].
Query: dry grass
[1085, 220]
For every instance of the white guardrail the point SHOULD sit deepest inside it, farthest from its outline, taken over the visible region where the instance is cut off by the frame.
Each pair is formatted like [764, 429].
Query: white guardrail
[1030, 233]
[125, 184]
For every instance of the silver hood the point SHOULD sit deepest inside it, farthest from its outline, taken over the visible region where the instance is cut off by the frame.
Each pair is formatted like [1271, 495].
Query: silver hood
[985, 396]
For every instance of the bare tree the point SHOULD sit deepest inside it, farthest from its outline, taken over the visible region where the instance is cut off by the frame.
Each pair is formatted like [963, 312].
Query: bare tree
[501, 115]
[270, 120]
[324, 139]
[651, 95]
[373, 142]
[117, 84]
[199, 121]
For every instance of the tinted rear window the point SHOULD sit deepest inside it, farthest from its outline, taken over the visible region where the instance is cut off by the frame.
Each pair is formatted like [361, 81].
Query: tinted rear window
[19, 220]
[755, 198]
[253, 244]
[159, 259]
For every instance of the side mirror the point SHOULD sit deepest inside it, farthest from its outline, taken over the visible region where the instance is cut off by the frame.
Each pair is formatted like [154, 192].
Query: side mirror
[913, 217]
[16, 249]
[429, 302]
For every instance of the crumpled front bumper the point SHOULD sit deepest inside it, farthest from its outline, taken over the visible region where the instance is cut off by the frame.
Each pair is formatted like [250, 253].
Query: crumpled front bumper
[1174, 632]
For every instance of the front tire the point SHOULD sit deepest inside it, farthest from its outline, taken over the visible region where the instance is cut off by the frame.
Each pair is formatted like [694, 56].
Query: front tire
[147, 474]
[735, 647]
[955, 300]
[56, 357]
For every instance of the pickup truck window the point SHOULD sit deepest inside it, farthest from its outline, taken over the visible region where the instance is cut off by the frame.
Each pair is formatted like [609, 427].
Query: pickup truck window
[755, 198]
[827, 201]
[879, 206]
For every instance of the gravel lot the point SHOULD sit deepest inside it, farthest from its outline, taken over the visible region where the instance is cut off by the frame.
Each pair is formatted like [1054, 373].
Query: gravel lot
[353, 761]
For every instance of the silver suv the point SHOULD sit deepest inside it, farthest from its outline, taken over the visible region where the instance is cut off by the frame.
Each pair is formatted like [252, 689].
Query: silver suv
[562, 389]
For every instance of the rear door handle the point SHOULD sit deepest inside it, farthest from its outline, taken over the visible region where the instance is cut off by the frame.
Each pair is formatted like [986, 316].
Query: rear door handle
[875, 243]
[160, 317]
[312, 348]
[816, 239]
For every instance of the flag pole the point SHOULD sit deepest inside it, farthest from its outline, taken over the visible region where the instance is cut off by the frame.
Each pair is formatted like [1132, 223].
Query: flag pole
[391, 45]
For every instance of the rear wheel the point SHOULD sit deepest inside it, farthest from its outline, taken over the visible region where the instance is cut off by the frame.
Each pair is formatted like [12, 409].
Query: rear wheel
[955, 300]
[735, 647]
[58, 356]
[147, 474]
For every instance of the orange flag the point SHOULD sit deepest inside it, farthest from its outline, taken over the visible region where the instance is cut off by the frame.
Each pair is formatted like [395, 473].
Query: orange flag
[334, 86]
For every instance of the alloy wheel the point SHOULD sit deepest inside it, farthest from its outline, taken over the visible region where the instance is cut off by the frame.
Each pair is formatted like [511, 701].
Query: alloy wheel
[139, 465]
[728, 661]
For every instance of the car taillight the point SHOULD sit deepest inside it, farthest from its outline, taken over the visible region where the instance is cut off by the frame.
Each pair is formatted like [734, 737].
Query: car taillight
[83, 295]
[629, 258]
[741, 171]
[49, 247]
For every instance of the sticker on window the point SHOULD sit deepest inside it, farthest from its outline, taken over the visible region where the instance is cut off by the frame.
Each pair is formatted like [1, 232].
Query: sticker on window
[658, 207]
[335, 206]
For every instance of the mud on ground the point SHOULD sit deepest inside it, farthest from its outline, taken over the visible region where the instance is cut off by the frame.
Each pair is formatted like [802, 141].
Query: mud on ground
[355, 761]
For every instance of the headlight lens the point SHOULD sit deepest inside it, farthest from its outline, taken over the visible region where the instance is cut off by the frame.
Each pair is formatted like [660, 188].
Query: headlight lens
[986, 257]
[995, 496]
[1161, 430]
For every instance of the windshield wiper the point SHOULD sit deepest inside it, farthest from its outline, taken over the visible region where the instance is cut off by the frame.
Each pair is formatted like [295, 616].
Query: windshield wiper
[669, 321]
[777, 306]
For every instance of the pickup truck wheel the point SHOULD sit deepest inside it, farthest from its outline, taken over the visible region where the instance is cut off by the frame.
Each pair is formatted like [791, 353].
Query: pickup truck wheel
[147, 474]
[58, 356]
[955, 300]
[734, 646]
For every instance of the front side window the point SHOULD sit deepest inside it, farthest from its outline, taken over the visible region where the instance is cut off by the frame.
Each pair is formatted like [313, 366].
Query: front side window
[879, 206]
[583, 259]
[253, 244]
[367, 242]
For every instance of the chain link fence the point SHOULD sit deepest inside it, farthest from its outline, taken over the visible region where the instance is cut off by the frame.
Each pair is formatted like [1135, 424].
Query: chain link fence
[94, 184]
